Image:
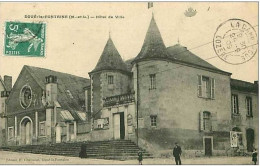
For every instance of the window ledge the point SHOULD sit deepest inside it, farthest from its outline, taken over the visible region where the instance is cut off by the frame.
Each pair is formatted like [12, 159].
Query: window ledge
[234, 114]
[249, 116]
[206, 98]
[42, 136]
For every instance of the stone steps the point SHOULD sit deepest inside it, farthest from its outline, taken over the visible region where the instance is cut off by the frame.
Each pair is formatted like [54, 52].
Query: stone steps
[117, 149]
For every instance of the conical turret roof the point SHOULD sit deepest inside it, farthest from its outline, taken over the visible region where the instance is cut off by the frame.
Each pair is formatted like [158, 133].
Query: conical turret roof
[110, 59]
[153, 46]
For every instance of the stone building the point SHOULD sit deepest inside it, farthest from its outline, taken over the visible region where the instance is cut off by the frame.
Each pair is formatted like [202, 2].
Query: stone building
[5, 88]
[45, 106]
[177, 97]
[245, 115]
[162, 96]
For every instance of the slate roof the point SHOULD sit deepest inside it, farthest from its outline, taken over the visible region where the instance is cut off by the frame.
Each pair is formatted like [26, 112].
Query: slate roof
[110, 59]
[182, 54]
[153, 46]
[243, 86]
[66, 82]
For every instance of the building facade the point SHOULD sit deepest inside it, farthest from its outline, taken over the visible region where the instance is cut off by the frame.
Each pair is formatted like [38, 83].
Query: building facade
[45, 106]
[162, 96]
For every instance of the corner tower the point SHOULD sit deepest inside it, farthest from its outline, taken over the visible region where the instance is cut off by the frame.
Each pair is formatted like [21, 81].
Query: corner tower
[110, 77]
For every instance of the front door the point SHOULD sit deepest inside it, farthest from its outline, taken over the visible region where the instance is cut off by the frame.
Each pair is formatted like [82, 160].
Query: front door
[250, 139]
[28, 136]
[119, 126]
[208, 146]
[122, 126]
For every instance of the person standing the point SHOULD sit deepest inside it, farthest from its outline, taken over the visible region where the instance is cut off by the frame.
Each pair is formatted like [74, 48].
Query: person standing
[140, 157]
[83, 153]
[177, 154]
[254, 156]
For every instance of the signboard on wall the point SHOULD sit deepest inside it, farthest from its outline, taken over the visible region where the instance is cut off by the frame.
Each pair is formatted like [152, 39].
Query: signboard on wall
[235, 139]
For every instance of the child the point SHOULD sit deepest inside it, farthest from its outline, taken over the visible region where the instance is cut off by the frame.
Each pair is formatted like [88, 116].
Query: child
[140, 157]
[254, 156]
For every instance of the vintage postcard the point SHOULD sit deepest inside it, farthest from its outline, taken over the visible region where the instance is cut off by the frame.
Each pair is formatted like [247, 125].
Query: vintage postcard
[129, 83]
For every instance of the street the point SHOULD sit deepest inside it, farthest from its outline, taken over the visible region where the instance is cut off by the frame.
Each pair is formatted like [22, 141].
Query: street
[7, 157]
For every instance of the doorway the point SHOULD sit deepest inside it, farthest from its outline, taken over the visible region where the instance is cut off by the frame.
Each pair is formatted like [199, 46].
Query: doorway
[26, 131]
[208, 143]
[119, 126]
[250, 138]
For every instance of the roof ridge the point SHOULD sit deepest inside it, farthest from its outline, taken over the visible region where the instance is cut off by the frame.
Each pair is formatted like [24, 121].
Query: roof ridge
[55, 71]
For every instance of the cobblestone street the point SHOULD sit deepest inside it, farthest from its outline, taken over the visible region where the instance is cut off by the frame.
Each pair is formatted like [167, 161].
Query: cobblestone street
[27, 158]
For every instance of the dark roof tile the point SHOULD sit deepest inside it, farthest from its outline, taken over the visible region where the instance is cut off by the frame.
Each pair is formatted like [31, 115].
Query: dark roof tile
[67, 83]
[110, 59]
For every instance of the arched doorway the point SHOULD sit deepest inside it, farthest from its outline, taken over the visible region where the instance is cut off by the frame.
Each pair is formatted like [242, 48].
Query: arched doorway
[250, 138]
[26, 131]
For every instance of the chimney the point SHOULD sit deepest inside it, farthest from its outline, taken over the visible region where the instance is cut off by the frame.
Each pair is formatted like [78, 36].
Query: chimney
[51, 88]
[8, 82]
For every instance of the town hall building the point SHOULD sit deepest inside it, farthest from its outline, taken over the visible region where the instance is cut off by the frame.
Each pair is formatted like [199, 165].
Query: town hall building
[162, 96]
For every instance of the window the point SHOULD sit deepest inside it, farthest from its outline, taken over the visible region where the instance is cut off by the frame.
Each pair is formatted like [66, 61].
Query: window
[249, 106]
[42, 128]
[206, 121]
[10, 132]
[152, 81]
[153, 120]
[69, 94]
[110, 79]
[206, 87]
[234, 101]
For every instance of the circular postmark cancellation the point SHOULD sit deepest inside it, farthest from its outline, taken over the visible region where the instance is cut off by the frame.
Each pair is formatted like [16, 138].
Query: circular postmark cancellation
[235, 41]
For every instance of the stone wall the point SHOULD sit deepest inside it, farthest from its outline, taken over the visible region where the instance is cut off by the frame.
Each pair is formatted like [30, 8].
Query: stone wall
[175, 100]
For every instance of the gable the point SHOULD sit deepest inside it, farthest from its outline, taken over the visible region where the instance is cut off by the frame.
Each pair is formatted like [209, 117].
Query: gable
[25, 79]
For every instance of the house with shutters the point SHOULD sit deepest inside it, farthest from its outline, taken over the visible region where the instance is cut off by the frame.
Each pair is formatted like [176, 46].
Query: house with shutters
[244, 114]
[45, 107]
[162, 96]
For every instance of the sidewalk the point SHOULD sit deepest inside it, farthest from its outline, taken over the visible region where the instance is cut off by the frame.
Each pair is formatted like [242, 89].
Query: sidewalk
[28, 158]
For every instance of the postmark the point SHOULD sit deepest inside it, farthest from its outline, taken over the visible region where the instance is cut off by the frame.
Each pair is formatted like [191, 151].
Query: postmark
[25, 39]
[235, 41]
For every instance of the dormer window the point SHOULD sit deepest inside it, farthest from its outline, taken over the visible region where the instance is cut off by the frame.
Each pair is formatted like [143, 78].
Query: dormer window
[69, 94]
[110, 79]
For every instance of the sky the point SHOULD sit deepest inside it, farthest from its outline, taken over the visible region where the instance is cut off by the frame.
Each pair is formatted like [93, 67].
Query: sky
[74, 45]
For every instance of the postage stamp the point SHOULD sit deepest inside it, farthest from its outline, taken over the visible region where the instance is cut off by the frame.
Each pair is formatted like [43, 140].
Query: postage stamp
[25, 39]
[235, 41]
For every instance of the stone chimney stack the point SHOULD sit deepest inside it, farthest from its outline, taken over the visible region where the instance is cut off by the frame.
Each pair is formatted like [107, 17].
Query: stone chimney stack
[51, 88]
[8, 82]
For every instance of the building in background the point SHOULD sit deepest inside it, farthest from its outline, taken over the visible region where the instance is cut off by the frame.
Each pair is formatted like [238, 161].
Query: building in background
[45, 106]
[244, 113]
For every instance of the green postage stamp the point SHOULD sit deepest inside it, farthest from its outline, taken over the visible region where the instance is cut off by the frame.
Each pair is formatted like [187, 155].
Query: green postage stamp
[24, 39]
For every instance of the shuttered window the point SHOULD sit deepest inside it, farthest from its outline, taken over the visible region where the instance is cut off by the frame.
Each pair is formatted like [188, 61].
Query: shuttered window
[234, 100]
[249, 106]
[205, 121]
[206, 87]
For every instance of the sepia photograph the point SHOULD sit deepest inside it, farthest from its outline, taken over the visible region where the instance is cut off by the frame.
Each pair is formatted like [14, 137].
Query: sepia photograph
[139, 83]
